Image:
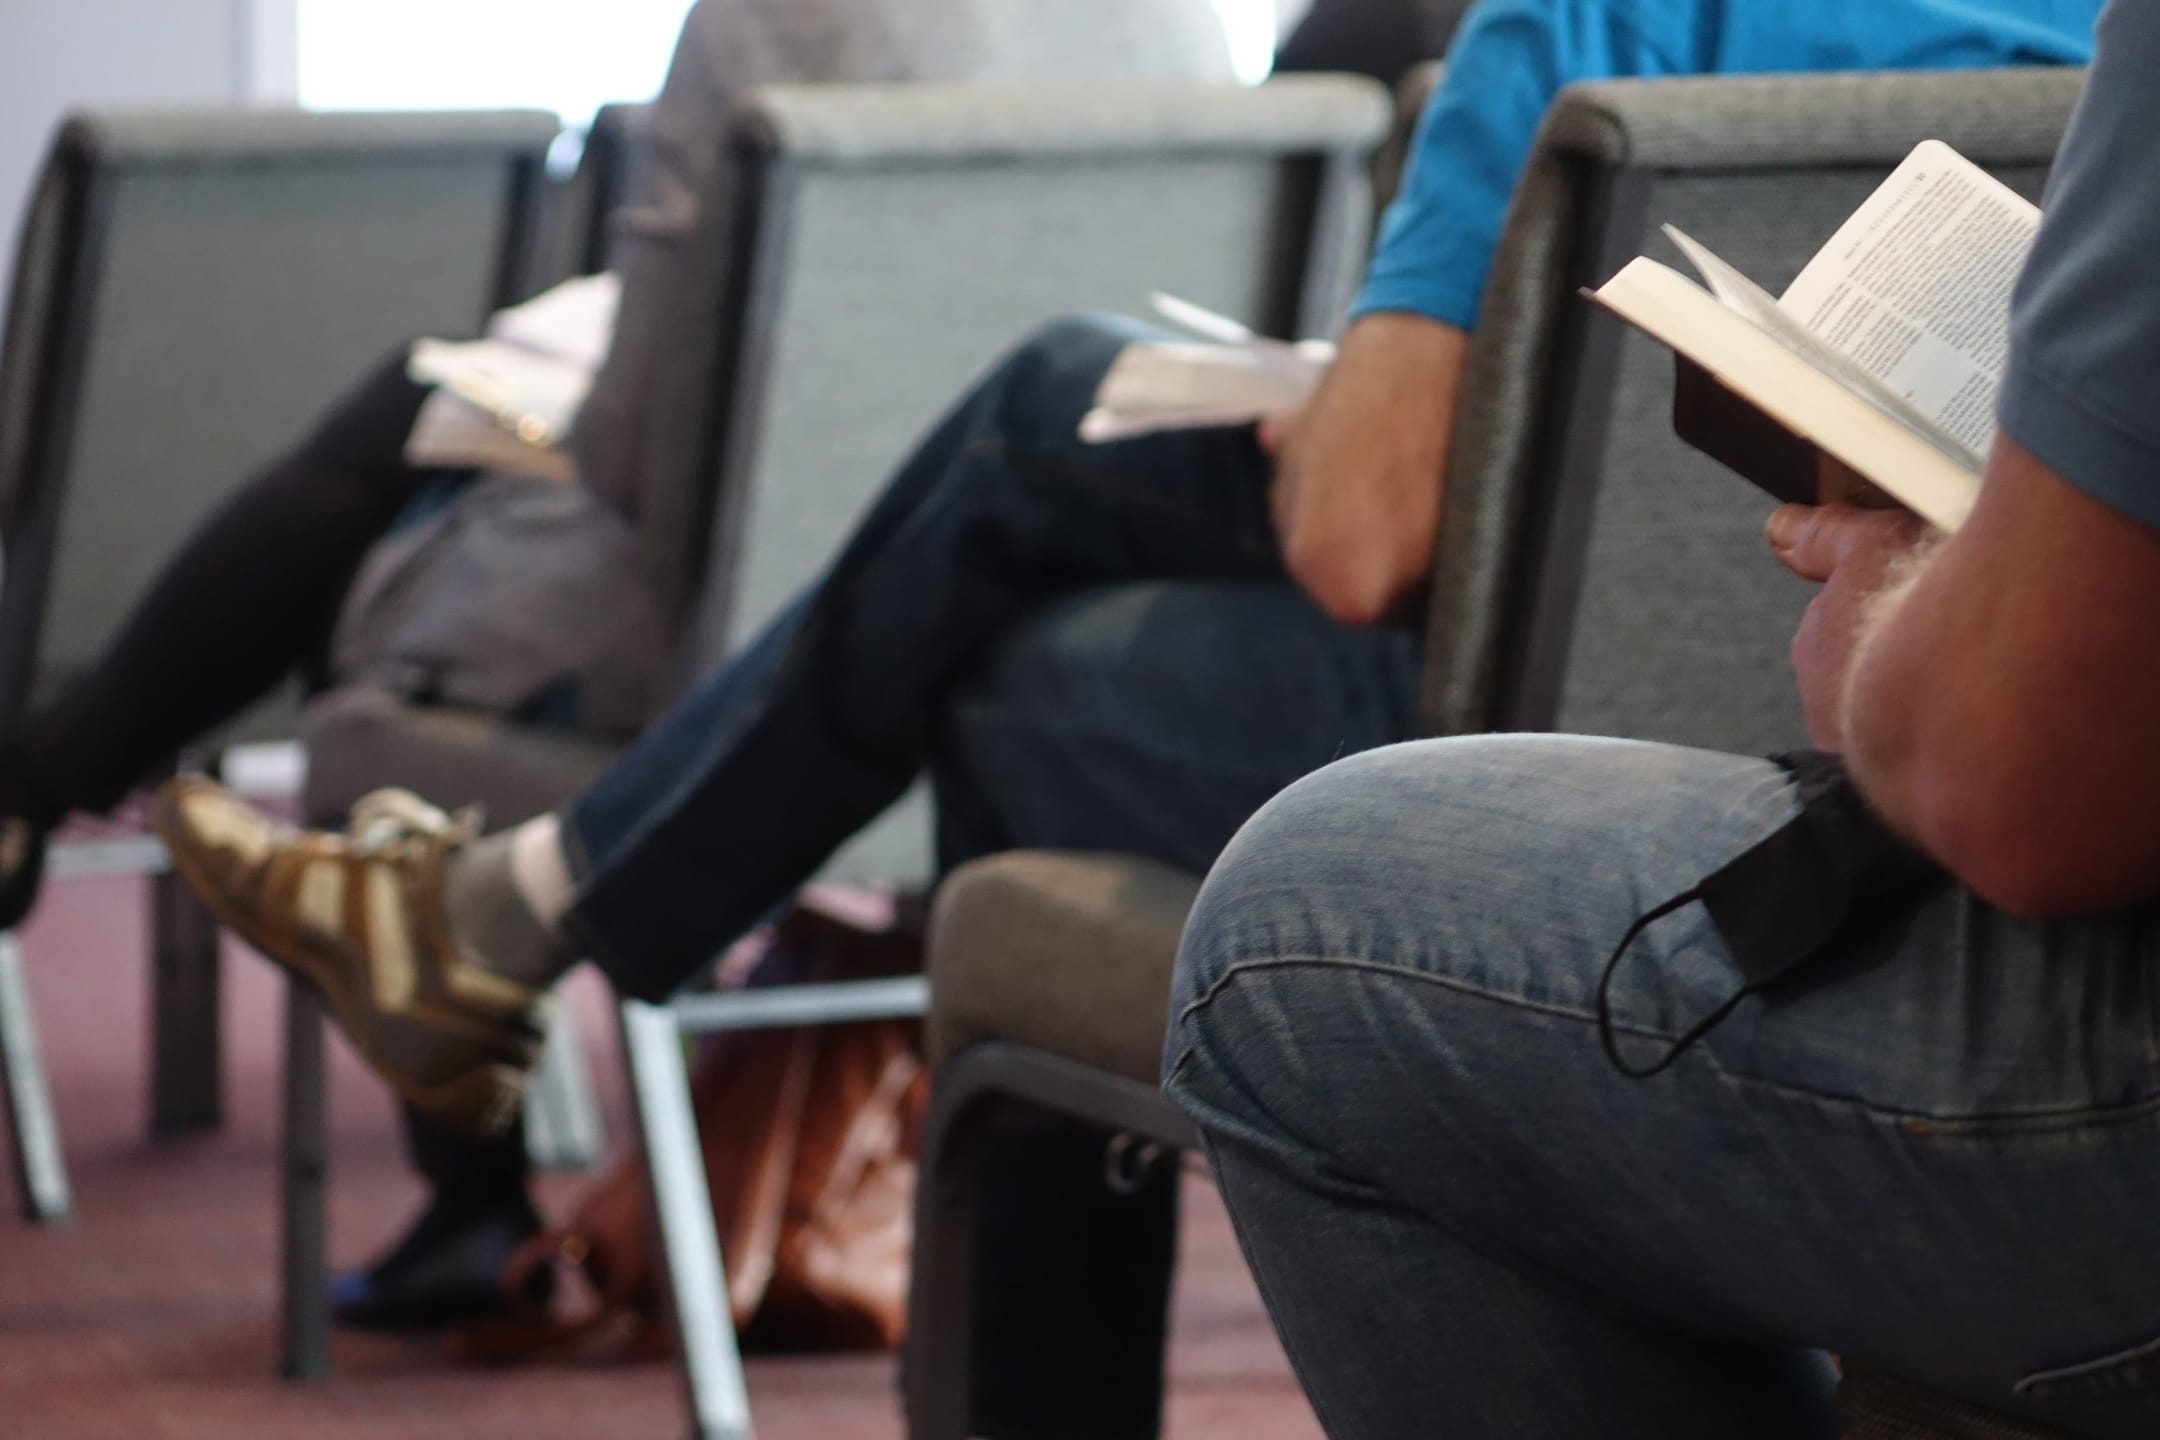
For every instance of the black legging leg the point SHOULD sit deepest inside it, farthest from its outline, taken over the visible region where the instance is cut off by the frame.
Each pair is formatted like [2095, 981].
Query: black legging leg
[472, 1177]
[249, 597]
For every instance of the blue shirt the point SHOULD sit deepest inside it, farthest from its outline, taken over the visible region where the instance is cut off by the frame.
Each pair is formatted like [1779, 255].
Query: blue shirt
[1511, 57]
[2085, 323]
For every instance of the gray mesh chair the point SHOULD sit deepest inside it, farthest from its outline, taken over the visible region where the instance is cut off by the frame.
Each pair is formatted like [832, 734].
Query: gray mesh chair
[1594, 575]
[898, 240]
[191, 288]
[194, 288]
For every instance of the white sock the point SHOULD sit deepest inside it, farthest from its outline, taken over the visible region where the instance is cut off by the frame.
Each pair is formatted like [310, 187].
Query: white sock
[506, 897]
[541, 872]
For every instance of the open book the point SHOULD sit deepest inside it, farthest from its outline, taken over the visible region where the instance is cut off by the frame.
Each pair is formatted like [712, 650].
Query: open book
[1887, 352]
[1227, 376]
[506, 402]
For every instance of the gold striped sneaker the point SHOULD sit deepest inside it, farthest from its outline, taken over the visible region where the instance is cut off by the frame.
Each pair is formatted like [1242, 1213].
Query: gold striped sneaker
[360, 917]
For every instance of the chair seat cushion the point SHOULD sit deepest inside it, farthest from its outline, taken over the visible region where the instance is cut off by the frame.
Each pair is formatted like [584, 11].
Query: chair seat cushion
[1876, 1406]
[362, 738]
[1065, 952]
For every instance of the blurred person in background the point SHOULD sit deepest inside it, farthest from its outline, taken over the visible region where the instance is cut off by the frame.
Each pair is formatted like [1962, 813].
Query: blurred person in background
[255, 593]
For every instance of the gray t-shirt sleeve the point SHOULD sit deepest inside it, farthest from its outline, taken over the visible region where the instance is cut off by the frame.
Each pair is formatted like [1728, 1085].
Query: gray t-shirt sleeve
[2083, 388]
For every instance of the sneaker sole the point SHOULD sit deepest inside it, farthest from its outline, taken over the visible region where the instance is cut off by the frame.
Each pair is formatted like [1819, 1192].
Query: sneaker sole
[481, 1102]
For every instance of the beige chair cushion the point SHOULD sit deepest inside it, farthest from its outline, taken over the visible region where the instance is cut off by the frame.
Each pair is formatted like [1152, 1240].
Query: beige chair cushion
[361, 738]
[1069, 953]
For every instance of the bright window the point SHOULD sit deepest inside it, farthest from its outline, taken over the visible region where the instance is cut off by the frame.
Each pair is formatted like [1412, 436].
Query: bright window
[569, 56]
[1251, 24]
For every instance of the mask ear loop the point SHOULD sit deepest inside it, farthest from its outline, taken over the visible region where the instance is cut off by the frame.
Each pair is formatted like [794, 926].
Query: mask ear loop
[1608, 1033]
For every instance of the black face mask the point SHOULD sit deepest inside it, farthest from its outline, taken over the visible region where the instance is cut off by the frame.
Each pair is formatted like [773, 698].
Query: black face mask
[1834, 868]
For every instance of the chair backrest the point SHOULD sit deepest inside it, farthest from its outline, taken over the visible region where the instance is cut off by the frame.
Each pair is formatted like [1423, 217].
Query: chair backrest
[905, 236]
[1596, 574]
[575, 223]
[192, 289]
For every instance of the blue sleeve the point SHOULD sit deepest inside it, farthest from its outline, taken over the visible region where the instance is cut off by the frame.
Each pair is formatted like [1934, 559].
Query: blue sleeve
[1509, 60]
[2085, 324]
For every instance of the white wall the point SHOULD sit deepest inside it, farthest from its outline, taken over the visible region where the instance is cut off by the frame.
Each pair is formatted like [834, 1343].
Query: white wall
[56, 54]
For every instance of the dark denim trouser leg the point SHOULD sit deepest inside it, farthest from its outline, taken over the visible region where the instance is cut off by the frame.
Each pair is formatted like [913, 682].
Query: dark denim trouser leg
[1153, 718]
[737, 797]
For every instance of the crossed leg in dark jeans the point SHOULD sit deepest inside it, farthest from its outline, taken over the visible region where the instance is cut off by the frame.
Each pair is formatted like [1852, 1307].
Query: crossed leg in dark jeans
[1085, 647]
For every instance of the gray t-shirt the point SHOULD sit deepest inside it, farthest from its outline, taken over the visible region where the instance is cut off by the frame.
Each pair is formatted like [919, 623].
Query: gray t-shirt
[2083, 389]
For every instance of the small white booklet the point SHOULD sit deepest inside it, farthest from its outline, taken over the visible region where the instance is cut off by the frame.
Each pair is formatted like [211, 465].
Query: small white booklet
[507, 402]
[1888, 351]
[1228, 376]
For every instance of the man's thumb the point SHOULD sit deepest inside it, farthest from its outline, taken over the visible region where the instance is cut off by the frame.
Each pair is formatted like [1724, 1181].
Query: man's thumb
[1794, 533]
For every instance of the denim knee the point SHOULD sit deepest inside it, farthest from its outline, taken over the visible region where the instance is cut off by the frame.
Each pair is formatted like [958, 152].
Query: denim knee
[1269, 896]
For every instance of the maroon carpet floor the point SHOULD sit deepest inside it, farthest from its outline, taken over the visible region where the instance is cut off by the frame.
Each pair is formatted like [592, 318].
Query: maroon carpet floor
[152, 1316]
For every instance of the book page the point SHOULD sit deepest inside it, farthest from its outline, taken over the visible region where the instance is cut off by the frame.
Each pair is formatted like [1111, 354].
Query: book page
[1915, 289]
[1744, 297]
[1157, 385]
[1734, 288]
[1230, 377]
[1785, 385]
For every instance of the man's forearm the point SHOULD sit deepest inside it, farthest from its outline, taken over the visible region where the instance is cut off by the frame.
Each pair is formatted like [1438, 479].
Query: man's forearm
[1876, 729]
[1989, 715]
[1359, 491]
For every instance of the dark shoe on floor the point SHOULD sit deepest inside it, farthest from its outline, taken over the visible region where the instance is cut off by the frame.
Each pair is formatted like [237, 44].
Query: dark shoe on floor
[360, 918]
[22, 867]
[447, 1271]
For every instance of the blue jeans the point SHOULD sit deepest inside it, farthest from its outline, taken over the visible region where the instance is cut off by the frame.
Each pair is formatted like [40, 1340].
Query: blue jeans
[1084, 646]
[1937, 1151]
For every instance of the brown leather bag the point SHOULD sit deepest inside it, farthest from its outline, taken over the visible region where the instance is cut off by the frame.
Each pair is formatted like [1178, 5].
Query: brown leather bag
[809, 1141]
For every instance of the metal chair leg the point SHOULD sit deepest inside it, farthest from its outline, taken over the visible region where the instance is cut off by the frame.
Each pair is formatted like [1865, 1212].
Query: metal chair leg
[40, 1171]
[305, 1267]
[562, 1118]
[186, 1068]
[939, 1361]
[689, 1245]
[976, 1095]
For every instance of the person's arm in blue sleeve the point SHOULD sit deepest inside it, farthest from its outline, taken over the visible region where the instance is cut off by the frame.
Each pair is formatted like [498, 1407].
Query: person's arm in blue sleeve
[1360, 470]
[1997, 701]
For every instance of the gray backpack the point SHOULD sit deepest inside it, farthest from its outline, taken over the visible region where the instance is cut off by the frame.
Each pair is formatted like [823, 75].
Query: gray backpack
[520, 598]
